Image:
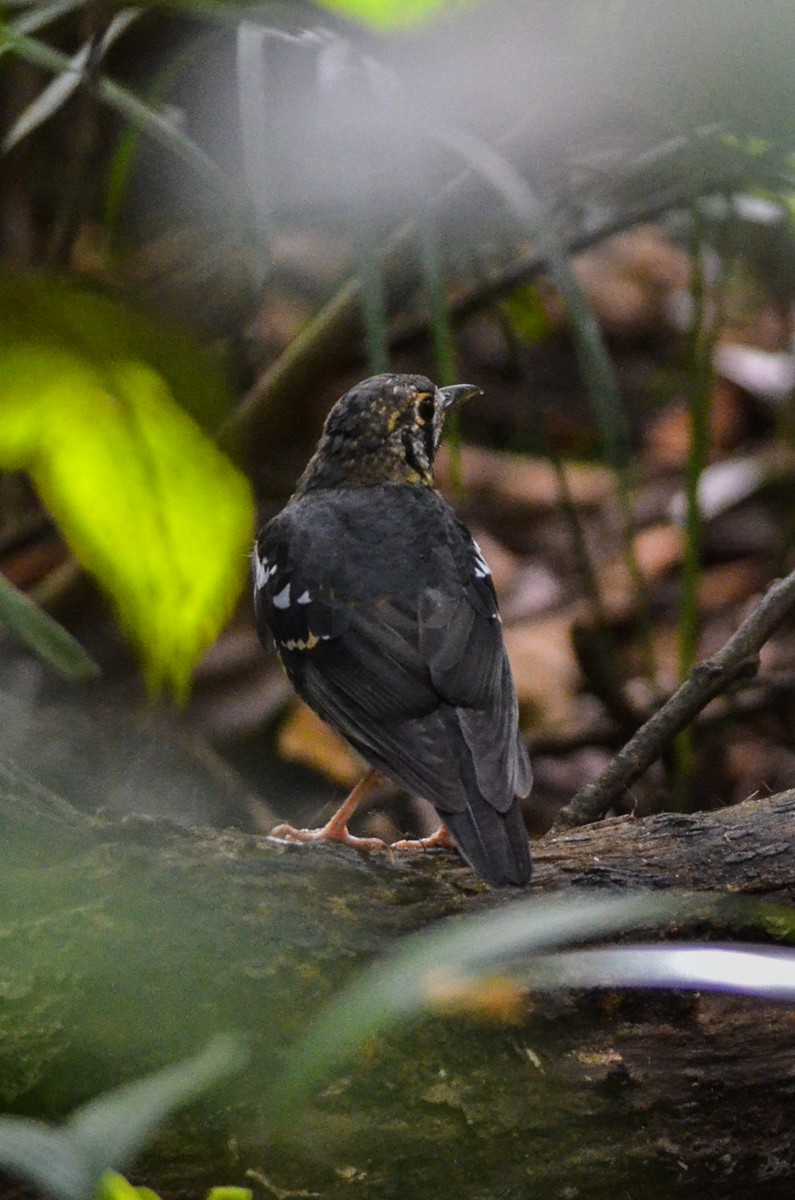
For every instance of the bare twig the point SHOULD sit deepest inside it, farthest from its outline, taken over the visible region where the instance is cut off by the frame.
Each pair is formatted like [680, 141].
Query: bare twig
[737, 660]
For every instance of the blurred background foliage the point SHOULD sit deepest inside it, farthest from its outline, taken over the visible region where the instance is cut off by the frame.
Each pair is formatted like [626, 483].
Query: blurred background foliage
[214, 217]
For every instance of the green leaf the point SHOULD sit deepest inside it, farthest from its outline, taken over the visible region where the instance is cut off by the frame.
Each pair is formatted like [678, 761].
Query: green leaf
[90, 408]
[229, 1193]
[43, 635]
[108, 1131]
[113, 1186]
[480, 965]
[77, 1160]
[390, 14]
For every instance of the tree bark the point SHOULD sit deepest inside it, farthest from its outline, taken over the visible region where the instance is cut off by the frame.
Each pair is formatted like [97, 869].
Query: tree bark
[124, 944]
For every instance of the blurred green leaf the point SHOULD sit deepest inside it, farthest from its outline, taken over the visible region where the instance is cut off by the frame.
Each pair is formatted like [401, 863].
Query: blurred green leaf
[389, 14]
[109, 1130]
[37, 16]
[413, 980]
[481, 966]
[46, 637]
[113, 1186]
[77, 1160]
[72, 318]
[90, 408]
[527, 314]
[120, 167]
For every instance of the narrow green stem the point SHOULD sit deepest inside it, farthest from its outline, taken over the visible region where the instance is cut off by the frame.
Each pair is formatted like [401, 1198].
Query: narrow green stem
[700, 405]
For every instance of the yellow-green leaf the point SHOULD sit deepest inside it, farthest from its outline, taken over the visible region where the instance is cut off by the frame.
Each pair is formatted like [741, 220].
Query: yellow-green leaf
[391, 14]
[143, 497]
[113, 1186]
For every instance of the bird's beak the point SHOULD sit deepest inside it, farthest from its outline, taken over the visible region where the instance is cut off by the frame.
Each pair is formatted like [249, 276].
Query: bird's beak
[457, 393]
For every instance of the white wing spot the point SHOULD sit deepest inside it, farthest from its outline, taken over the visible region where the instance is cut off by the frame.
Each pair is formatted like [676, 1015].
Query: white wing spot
[304, 598]
[481, 566]
[260, 570]
[282, 598]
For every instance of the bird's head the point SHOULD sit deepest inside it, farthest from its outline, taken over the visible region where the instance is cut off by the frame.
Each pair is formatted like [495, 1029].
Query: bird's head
[384, 430]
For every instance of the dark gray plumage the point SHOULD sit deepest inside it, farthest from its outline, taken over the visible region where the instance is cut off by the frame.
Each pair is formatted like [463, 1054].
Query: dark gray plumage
[383, 612]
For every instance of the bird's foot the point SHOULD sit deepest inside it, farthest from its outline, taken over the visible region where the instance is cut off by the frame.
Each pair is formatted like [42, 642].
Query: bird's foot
[332, 831]
[440, 840]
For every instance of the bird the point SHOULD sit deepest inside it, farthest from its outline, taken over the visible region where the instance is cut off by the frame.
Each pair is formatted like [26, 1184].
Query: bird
[382, 610]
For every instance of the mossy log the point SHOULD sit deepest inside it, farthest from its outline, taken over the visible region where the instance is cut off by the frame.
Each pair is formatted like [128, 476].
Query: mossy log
[125, 944]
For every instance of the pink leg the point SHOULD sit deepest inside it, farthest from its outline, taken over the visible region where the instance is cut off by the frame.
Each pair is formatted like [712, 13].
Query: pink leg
[440, 840]
[336, 830]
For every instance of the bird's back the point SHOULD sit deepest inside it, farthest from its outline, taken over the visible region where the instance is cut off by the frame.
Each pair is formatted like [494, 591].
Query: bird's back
[383, 612]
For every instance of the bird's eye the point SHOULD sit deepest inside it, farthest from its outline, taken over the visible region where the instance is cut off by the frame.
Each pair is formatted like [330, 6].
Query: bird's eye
[426, 409]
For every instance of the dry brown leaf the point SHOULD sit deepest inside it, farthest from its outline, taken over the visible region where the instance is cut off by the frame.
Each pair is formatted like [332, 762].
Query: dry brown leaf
[34, 561]
[304, 738]
[658, 549]
[629, 278]
[668, 436]
[731, 583]
[545, 667]
[665, 652]
[524, 481]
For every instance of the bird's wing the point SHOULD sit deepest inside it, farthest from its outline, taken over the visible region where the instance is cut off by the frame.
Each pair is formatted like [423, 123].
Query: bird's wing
[367, 655]
[295, 615]
[459, 630]
[461, 641]
[418, 682]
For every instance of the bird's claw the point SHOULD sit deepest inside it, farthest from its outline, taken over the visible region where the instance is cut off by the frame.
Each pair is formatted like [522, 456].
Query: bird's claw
[332, 832]
[440, 840]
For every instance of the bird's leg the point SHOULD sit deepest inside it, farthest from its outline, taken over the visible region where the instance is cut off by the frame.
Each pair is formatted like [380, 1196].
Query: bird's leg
[336, 830]
[440, 840]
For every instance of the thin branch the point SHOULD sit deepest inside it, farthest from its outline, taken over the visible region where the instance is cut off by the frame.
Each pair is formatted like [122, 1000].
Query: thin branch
[737, 660]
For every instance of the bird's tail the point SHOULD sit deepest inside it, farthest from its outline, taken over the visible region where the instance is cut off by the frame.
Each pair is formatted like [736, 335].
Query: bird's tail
[494, 844]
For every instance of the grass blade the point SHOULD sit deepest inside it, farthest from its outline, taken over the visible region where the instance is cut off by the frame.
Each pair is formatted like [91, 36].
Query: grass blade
[402, 986]
[155, 124]
[110, 1129]
[37, 630]
[55, 95]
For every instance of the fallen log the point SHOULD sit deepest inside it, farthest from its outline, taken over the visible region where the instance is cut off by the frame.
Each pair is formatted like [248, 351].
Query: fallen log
[124, 944]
